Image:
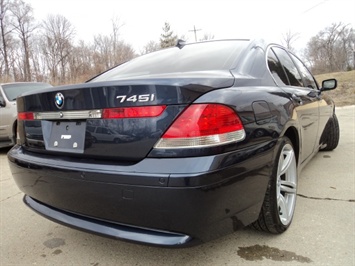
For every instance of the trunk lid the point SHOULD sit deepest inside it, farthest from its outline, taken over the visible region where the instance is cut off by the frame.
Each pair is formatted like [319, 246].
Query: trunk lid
[70, 120]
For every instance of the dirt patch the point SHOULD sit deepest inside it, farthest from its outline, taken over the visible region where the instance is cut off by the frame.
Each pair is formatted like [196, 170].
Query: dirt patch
[344, 94]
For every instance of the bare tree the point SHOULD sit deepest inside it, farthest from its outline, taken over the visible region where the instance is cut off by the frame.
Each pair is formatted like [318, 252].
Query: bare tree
[39, 67]
[102, 57]
[151, 46]
[110, 51]
[16, 61]
[5, 31]
[331, 49]
[58, 35]
[116, 42]
[81, 63]
[124, 52]
[289, 38]
[23, 23]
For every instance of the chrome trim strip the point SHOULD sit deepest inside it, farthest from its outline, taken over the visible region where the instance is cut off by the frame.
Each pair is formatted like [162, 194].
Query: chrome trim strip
[86, 114]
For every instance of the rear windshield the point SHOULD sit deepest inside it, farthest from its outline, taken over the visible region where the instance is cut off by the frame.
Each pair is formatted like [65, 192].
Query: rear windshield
[214, 55]
[15, 89]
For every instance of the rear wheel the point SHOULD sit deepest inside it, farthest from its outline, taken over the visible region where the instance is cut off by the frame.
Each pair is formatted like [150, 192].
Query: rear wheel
[331, 134]
[280, 200]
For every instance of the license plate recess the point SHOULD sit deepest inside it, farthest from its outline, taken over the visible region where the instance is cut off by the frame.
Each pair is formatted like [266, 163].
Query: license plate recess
[64, 136]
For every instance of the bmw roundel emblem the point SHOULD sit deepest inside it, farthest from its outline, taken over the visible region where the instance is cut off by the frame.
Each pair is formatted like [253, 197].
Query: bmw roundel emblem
[59, 100]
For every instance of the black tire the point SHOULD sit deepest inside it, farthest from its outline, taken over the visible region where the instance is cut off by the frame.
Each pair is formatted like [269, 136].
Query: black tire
[280, 199]
[331, 134]
[14, 130]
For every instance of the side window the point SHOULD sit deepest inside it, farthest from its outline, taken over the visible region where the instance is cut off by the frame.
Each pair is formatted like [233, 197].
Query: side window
[306, 75]
[290, 68]
[102, 130]
[276, 69]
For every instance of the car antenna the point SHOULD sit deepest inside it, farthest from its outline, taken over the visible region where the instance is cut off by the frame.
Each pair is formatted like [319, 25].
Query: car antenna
[180, 43]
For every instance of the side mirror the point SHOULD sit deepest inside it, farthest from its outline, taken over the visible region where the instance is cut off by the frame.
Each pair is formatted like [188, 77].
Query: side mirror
[329, 84]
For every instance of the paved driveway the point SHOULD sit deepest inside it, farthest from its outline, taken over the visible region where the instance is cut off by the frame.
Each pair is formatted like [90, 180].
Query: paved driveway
[322, 233]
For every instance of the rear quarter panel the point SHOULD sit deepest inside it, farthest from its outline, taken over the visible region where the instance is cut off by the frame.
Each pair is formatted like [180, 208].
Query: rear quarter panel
[266, 112]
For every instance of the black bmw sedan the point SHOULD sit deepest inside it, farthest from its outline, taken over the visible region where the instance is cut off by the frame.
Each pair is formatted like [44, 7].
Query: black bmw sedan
[178, 146]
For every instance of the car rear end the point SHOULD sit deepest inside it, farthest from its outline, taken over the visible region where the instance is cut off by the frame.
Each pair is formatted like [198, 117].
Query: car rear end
[183, 172]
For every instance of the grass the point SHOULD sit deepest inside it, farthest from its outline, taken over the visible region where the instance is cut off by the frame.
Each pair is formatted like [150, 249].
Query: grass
[344, 94]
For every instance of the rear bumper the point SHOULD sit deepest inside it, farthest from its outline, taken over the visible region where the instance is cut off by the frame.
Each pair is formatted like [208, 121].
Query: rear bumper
[112, 230]
[169, 202]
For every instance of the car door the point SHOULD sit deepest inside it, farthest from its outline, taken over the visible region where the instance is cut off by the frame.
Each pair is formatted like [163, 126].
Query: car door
[305, 96]
[324, 109]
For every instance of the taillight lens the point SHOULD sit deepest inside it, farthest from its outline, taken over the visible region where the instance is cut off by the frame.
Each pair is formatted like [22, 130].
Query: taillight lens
[133, 112]
[25, 116]
[203, 125]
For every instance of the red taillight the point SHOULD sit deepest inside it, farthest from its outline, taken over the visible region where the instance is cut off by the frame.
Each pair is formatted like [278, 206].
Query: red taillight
[133, 112]
[203, 125]
[203, 120]
[25, 116]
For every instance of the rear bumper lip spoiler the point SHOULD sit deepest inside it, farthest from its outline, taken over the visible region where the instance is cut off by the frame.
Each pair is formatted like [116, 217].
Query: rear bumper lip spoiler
[117, 231]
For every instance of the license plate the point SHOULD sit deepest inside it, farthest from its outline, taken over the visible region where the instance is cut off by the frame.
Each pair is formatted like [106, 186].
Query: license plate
[64, 136]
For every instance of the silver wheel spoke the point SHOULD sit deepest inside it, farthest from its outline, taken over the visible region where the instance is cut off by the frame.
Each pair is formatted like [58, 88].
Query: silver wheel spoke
[286, 162]
[283, 211]
[288, 187]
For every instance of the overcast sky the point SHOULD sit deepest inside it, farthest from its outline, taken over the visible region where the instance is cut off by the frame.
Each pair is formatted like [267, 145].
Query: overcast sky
[143, 19]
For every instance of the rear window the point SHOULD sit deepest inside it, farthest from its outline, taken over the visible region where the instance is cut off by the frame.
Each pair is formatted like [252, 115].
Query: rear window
[12, 91]
[214, 55]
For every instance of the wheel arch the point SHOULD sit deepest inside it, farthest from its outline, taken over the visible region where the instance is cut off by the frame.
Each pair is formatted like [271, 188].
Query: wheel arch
[14, 131]
[293, 135]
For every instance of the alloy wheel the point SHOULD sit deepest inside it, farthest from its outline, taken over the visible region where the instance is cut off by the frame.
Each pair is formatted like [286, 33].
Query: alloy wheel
[286, 184]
